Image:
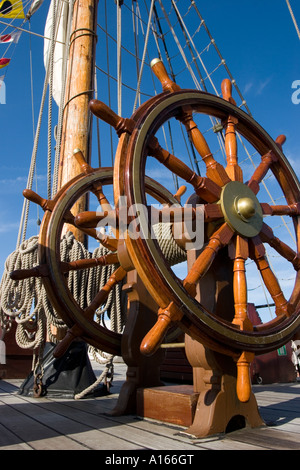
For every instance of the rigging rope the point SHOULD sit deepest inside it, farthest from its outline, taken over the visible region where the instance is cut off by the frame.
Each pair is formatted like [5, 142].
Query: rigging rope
[293, 18]
[144, 54]
[26, 301]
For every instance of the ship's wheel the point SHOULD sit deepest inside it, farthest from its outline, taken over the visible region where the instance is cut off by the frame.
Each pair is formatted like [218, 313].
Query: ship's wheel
[229, 207]
[234, 218]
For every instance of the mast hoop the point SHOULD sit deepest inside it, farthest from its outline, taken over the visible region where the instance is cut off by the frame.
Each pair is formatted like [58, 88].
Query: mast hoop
[90, 32]
[75, 96]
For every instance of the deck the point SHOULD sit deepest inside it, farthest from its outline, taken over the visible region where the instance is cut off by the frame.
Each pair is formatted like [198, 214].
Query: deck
[66, 424]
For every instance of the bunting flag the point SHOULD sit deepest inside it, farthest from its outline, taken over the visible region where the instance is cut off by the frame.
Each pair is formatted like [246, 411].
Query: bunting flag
[4, 63]
[11, 9]
[12, 37]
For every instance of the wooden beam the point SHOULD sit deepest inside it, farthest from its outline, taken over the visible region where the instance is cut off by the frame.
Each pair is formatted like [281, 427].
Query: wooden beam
[76, 132]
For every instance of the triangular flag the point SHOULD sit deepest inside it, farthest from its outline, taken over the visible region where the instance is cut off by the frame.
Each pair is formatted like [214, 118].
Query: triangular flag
[11, 9]
[4, 63]
[12, 37]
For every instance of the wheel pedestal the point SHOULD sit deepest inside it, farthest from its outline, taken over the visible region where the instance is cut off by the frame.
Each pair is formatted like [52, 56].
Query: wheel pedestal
[218, 408]
[142, 371]
[210, 406]
[215, 375]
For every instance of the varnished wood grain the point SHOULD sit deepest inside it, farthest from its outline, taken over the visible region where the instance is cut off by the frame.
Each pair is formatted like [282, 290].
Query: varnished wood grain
[68, 424]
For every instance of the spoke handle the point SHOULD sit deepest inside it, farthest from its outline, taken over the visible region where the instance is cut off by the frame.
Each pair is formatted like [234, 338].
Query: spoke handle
[64, 344]
[37, 271]
[91, 219]
[103, 112]
[155, 336]
[161, 73]
[243, 385]
[85, 167]
[280, 141]
[37, 199]
[226, 87]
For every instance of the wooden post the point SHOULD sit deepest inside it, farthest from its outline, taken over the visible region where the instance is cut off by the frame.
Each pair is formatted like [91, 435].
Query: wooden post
[76, 132]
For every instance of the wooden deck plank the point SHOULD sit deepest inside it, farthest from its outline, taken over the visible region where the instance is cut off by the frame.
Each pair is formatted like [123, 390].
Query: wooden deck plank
[61, 423]
[30, 431]
[50, 423]
[107, 428]
[268, 438]
[9, 441]
[159, 430]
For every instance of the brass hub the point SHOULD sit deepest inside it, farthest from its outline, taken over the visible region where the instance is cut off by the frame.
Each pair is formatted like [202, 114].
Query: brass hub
[241, 209]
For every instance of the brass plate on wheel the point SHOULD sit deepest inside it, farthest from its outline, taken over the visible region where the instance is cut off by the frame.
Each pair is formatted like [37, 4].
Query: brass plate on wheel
[241, 209]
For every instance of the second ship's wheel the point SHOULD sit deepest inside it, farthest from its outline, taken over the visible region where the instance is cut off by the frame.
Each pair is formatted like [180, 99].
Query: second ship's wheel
[234, 220]
[54, 271]
[59, 217]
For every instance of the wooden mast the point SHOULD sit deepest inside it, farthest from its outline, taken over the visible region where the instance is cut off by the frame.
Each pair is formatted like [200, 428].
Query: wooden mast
[76, 131]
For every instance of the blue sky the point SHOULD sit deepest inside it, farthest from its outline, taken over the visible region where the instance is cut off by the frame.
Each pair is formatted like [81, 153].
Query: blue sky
[257, 38]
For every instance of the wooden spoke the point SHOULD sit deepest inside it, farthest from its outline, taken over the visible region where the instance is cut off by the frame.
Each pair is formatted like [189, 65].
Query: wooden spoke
[43, 270]
[117, 276]
[214, 170]
[266, 235]
[262, 169]
[290, 210]
[180, 192]
[204, 187]
[90, 219]
[155, 336]
[161, 73]
[239, 252]
[233, 170]
[103, 112]
[243, 384]
[217, 241]
[97, 188]
[110, 258]
[212, 212]
[45, 204]
[89, 312]
[102, 199]
[171, 314]
[108, 242]
[70, 219]
[85, 167]
[38, 271]
[257, 253]
[177, 214]
[48, 205]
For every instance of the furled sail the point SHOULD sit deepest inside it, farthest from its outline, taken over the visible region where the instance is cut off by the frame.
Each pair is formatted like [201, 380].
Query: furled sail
[56, 30]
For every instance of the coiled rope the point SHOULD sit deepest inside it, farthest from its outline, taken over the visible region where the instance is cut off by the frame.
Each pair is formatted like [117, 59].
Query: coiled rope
[26, 301]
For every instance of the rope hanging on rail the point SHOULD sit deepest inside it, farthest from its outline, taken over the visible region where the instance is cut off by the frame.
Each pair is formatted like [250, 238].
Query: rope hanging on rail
[26, 301]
